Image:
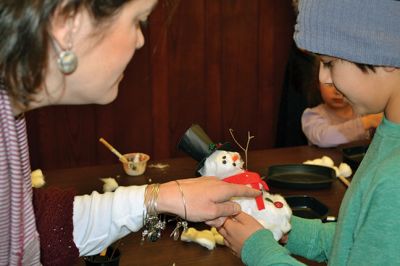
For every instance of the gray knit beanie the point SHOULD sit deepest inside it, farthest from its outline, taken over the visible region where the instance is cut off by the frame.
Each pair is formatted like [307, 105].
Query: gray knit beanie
[361, 31]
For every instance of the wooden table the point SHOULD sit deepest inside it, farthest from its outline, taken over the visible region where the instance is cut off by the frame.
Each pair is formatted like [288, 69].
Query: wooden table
[166, 251]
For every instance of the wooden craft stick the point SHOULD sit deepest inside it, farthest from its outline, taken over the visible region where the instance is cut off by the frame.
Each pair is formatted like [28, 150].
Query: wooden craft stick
[104, 252]
[344, 180]
[113, 150]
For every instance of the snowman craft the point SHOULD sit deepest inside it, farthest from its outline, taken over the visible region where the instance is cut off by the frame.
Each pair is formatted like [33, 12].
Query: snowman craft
[222, 161]
[271, 210]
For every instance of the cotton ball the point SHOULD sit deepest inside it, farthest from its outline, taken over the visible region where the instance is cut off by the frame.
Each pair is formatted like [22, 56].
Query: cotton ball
[219, 239]
[317, 161]
[345, 170]
[204, 238]
[327, 161]
[337, 171]
[110, 184]
[37, 178]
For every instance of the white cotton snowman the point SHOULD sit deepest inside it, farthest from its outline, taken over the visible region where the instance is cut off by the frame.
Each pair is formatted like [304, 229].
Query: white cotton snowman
[271, 210]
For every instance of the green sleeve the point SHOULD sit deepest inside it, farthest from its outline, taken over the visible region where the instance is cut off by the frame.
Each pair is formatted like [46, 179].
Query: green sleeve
[261, 249]
[310, 238]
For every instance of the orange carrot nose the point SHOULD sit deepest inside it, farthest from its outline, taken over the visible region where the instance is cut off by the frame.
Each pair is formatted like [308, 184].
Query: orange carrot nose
[235, 157]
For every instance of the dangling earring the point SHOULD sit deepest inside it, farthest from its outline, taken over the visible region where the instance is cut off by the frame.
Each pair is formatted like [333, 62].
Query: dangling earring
[67, 60]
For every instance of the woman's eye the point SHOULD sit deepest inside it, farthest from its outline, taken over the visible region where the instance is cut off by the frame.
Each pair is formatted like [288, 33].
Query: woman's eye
[143, 24]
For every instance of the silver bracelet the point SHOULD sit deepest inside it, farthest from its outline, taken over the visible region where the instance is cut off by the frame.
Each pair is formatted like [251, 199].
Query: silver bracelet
[180, 223]
[153, 225]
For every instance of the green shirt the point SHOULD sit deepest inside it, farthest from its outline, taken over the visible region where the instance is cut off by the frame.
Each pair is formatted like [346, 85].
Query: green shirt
[368, 228]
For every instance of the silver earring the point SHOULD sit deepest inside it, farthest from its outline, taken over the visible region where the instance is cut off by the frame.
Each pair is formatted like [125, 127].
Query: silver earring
[67, 60]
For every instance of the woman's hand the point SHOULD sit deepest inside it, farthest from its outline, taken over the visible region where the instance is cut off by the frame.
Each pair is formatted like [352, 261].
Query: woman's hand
[207, 198]
[237, 230]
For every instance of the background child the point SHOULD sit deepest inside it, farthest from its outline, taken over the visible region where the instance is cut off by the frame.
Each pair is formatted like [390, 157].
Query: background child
[358, 43]
[334, 122]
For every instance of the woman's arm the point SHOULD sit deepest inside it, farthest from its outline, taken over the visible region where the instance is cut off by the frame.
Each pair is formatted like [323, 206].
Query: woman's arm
[101, 219]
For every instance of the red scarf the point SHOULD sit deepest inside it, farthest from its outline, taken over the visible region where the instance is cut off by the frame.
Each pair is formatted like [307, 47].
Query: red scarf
[19, 241]
[254, 180]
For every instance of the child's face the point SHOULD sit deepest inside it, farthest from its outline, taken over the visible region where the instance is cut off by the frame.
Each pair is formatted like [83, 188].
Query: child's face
[332, 97]
[367, 92]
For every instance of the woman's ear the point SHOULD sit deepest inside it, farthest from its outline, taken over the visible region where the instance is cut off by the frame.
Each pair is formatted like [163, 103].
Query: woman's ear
[63, 27]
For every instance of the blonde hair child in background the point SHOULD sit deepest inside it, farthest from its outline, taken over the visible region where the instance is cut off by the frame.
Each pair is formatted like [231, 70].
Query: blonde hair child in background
[334, 121]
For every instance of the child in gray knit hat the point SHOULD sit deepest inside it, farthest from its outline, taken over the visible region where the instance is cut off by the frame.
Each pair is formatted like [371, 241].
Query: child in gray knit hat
[358, 42]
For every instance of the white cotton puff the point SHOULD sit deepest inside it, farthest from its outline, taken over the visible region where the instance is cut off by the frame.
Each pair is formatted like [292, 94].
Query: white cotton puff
[37, 178]
[110, 184]
[345, 170]
[337, 172]
[204, 238]
[276, 219]
[318, 161]
[327, 161]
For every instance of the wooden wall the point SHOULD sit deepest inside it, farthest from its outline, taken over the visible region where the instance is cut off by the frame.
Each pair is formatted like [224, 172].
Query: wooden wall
[219, 63]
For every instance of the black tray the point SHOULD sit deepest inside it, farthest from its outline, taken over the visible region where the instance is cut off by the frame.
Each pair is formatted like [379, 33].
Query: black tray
[354, 155]
[307, 207]
[300, 176]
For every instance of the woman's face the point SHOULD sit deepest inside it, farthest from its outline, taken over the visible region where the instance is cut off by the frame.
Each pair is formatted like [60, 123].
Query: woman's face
[365, 91]
[102, 56]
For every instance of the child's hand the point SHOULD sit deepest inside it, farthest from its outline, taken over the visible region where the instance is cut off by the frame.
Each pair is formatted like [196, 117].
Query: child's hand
[372, 121]
[237, 229]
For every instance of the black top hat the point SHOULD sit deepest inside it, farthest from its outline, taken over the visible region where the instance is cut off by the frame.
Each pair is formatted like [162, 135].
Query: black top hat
[198, 145]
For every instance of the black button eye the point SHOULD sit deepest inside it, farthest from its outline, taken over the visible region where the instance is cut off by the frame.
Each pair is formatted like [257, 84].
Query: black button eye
[234, 164]
[224, 161]
[268, 199]
[223, 157]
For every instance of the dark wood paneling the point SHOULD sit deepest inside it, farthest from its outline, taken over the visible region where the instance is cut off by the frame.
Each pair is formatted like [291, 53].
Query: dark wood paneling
[218, 63]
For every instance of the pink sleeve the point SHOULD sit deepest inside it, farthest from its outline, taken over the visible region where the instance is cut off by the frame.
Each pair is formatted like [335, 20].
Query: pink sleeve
[320, 131]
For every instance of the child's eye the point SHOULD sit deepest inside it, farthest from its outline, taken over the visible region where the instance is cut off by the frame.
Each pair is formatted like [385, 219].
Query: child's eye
[326, 64]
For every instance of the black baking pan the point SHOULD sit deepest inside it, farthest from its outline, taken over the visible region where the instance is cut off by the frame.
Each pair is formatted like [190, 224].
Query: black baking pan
[300, 176]
[354, 155]
[307, 207]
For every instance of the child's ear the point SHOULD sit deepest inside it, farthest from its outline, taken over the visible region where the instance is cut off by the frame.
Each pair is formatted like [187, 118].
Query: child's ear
[63, 27]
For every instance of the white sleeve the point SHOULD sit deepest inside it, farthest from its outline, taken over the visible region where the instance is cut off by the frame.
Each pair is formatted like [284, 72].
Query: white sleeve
[101, 219]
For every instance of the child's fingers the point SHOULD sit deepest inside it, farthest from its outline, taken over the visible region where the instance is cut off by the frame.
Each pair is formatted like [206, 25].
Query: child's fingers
[216, 222]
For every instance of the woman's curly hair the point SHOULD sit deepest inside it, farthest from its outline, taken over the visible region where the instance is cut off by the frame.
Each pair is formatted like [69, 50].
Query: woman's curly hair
[24, 39]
